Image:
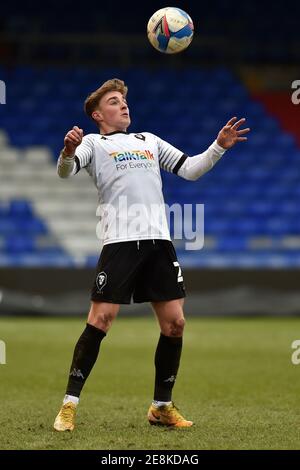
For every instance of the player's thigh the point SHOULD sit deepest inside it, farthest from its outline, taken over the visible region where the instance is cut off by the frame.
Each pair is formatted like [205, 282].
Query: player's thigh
[102, 314]
[170, 316]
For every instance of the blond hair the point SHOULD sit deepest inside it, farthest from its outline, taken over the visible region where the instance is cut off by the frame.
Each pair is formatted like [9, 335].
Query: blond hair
[92, 101]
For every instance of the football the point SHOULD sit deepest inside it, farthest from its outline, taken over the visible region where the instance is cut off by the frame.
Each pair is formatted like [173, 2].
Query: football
[170, 30]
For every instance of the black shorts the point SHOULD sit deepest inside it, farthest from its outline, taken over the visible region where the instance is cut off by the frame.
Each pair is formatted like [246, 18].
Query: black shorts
[147, 271]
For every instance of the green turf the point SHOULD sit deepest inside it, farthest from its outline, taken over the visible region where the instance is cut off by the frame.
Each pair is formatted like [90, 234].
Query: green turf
[236, 382]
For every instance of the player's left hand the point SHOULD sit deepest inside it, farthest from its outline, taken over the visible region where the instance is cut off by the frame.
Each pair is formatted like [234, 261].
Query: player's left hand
[230, 135]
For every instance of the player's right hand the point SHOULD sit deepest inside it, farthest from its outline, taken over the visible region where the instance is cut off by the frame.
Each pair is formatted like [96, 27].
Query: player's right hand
[72, 139]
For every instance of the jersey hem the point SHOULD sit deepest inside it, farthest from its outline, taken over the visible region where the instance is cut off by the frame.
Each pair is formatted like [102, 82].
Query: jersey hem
[117, 240]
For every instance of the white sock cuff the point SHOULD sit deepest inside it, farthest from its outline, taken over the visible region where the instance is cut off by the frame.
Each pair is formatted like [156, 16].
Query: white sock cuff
[161, 403]
[71, 398]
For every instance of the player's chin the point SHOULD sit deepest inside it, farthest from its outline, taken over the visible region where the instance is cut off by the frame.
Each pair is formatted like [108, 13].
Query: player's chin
[126, 119]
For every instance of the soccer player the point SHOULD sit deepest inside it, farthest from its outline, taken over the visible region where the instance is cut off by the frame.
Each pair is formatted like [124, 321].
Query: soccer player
[137, 260]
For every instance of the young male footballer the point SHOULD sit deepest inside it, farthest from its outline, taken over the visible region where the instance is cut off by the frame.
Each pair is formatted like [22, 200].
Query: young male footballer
[137, 261]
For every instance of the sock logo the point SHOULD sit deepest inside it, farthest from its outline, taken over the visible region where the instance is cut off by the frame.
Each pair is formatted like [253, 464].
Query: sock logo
[77, 373]
[101, 281]
[171, 379]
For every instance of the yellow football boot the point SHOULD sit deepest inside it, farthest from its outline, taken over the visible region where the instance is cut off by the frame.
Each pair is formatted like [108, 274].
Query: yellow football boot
[167, 415]
[65, 420]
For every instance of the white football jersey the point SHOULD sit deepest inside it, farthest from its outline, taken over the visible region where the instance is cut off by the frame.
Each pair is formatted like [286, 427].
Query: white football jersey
[126, 171]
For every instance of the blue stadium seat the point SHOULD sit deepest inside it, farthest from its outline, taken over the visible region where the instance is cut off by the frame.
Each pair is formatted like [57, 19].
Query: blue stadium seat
[33, 227]
[7, 226]
[20, 208]
[19, 244]
[232, 243]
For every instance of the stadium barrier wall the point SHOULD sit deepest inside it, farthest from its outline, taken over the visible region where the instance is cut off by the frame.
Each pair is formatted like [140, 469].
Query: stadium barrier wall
[213, 292]
[49, 281]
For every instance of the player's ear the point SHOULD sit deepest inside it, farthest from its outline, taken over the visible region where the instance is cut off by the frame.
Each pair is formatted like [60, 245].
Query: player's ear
[97, 116]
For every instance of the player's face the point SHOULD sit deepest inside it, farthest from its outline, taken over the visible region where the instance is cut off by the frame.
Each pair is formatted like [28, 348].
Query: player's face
[113, 112]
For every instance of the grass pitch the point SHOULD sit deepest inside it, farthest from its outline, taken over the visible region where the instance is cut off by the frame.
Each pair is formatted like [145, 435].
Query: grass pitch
[236, 382]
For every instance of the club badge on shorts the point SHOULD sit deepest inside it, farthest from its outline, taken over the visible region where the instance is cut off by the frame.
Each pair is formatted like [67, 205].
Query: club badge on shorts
[101, 281]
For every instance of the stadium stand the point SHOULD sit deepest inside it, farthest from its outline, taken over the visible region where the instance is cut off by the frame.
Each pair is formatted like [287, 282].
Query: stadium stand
[250, 197]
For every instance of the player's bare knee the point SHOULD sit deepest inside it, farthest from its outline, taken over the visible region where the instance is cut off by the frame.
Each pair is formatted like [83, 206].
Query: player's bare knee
[176, 327]
[102, 317]
[104, 320]
[107, 318]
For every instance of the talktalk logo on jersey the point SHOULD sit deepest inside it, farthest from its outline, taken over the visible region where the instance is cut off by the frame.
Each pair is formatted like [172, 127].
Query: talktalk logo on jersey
[133, 159]
[132, 155]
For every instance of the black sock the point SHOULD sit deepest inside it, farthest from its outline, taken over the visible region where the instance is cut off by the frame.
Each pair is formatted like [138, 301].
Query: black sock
[84, 357]
[167, 359]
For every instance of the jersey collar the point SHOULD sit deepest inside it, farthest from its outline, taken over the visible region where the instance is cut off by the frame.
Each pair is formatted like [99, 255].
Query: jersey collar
[115, 132]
